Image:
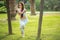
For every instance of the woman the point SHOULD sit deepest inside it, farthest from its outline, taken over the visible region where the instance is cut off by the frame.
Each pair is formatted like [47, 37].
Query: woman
[23, 18]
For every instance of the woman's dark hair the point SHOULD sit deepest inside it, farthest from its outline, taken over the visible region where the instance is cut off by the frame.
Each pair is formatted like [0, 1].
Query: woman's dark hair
[22, 5]
[21, 8]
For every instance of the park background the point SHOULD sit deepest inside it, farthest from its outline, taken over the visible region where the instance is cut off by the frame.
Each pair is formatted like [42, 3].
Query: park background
[50, 24]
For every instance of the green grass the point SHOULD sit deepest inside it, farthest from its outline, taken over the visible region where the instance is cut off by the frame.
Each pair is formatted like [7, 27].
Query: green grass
[50, 28]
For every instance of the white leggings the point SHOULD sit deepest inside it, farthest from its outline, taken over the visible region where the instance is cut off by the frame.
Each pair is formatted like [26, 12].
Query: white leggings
[22, 30]
[23, 22]
[22, 25]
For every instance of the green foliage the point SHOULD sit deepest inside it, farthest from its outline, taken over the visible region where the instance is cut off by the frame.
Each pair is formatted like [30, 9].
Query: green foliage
[3, 9]
[53, 5]
[37, 5]
[27, 5]
[49, 5]
[1, 3]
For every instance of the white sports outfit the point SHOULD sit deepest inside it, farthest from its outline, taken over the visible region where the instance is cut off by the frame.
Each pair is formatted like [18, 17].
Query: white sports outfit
[24, 21]
[22, 24]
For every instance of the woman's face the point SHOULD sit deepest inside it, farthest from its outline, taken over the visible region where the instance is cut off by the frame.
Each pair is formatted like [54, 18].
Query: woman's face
[20, 5]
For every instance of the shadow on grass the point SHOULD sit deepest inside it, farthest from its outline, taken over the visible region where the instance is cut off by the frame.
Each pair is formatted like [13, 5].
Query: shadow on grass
[4, 36]
[19, 38]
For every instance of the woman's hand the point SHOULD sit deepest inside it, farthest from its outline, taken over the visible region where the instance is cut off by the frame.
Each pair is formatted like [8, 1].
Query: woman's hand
[23, 11]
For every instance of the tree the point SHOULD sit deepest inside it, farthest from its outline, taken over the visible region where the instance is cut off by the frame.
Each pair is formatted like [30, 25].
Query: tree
[12, 5]
[32, 7]
[9, 17]
[40, 20]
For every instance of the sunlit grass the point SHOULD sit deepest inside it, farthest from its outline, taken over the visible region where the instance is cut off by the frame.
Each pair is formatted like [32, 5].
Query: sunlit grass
[50, 28]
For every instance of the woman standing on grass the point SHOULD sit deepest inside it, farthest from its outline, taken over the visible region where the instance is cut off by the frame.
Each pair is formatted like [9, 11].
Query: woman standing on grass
[23, 18]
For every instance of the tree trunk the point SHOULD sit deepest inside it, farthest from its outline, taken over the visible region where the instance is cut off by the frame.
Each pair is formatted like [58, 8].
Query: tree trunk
[40, 20]
[32, 7]
[9, 17]
[12, 4]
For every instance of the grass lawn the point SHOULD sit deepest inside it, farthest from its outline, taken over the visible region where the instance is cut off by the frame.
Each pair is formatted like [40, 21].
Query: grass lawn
[50, 28]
